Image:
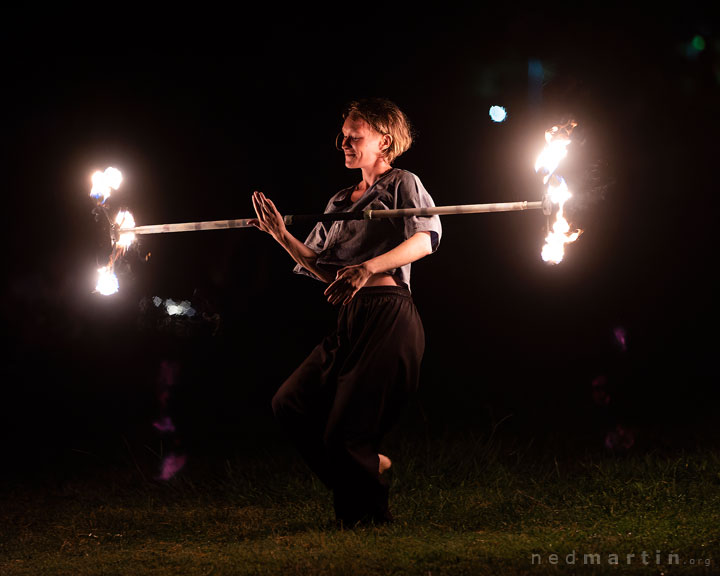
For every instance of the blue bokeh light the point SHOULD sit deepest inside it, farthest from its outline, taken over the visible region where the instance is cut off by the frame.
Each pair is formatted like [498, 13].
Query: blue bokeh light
[498, 114]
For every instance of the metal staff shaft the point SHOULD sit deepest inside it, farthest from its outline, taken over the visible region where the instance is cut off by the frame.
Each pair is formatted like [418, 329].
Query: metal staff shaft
[331, 217]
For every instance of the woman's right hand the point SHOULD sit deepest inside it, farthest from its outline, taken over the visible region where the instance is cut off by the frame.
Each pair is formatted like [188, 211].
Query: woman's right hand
[268, 217]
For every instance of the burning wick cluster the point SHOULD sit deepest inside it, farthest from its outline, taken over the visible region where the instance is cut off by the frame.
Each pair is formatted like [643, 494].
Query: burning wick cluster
[557, 140]
[102, 185]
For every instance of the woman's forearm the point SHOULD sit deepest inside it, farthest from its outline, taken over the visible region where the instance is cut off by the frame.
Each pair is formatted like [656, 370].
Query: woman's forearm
[412, 249]
[416, 247]
[303, 255]
[351, 278]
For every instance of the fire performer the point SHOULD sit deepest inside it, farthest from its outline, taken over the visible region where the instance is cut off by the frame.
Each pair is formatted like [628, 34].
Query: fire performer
[350, 391]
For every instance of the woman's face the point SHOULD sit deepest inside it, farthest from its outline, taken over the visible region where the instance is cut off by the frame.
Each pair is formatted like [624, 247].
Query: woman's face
[361, 144]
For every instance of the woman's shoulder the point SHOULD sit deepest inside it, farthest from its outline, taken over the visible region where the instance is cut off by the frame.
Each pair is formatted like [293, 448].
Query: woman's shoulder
[407, 180]
[403, 173]
[403, 176]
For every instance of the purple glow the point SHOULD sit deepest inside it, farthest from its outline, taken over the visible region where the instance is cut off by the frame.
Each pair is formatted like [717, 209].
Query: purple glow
[600, 393]
[168, 374]
[171, 465]
[621, 337]
[165, 424]
[620, 438]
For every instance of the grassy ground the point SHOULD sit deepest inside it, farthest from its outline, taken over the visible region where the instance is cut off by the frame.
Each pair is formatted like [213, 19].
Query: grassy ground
[462, 506]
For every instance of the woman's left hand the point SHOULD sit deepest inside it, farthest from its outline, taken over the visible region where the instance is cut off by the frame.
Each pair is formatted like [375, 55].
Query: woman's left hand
[347, 282]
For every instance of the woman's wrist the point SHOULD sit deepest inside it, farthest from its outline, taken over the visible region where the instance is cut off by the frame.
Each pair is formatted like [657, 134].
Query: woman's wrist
[284, 237]
[371, 266]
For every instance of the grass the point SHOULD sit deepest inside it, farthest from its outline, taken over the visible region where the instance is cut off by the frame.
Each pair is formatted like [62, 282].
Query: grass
[462, 505]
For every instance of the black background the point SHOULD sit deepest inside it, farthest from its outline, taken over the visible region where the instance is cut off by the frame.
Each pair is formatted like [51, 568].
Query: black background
[199, 109]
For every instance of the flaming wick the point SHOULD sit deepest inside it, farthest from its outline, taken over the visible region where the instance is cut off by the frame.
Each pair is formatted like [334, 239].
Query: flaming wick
[102, 184]
[557, 140]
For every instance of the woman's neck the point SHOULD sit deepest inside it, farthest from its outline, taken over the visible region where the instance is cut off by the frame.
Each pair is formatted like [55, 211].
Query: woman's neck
[371, 175]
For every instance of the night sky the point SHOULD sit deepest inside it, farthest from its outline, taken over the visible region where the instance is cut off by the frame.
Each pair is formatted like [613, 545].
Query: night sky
[198, 111]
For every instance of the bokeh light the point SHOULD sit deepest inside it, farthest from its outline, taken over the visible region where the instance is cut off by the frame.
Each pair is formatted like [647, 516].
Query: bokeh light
[498, 113]
[698, 43]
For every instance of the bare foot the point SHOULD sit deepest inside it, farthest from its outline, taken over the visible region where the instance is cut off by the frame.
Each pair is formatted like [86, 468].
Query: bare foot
[385, 463]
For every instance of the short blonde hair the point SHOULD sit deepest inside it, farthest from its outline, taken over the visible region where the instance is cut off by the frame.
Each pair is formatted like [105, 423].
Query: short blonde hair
[385, 117]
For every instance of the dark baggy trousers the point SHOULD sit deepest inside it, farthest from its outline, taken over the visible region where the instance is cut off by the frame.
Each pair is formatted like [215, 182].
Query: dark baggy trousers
[347, 394]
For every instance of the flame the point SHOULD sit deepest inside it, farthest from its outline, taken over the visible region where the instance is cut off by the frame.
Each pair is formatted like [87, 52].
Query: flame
[125, 220]
[557, 141]
[107, 281]
[103, 182]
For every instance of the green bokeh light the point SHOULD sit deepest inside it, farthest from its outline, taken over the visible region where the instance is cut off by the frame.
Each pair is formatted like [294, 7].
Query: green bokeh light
[698, 43]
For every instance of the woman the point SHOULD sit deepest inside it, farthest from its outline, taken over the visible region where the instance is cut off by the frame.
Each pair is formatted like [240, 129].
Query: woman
[350, 390]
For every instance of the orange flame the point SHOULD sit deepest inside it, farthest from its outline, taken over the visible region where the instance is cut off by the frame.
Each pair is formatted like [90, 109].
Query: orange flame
[103, 182]
[125, 220]
[557, 141]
